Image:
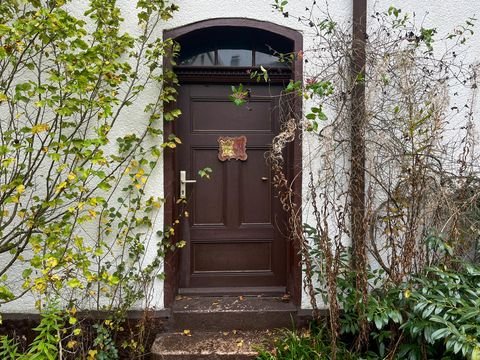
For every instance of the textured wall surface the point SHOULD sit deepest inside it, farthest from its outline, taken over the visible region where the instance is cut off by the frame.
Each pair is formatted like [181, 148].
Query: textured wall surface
[442, 14]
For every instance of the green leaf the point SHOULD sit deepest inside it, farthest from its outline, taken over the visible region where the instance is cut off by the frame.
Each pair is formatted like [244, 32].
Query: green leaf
[26, 273]
[440, 333]
[105, 186]
[74, 283]
[6, 294]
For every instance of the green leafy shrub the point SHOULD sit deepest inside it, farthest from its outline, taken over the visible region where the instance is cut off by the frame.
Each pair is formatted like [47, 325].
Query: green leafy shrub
[434, 315]
[46, 344]
[303, 345]
[443, 308]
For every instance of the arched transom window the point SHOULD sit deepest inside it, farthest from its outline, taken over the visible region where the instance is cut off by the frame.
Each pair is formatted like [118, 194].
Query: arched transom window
[229, 46]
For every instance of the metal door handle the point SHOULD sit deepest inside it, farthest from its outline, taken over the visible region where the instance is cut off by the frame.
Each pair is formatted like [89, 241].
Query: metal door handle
[183, 184]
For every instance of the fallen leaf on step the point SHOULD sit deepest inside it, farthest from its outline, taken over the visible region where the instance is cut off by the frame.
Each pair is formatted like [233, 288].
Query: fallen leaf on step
[186, 332]
[240, 343]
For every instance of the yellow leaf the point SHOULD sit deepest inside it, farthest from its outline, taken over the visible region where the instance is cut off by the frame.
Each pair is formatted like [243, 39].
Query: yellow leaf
[40, 285]
[60, 186]
[140, 173]
[91, 354]
[407, 293]
[187, 332]
[52, 262]
[71, 344]
[476, 353]
[20, 189]
[181, 244]
[36, 129]
[71, 176]
[3, 97]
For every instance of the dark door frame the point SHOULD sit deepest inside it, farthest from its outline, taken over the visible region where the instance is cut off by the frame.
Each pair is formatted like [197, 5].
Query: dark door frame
[294, 154]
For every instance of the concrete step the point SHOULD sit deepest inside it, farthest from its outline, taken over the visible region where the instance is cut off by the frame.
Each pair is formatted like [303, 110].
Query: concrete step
[210, 345]
[232, 313]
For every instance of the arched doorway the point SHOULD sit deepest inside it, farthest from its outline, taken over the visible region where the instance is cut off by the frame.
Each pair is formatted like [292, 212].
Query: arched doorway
[236, 233]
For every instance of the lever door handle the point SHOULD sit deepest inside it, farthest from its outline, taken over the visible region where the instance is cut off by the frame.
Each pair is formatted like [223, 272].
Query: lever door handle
[183, 184]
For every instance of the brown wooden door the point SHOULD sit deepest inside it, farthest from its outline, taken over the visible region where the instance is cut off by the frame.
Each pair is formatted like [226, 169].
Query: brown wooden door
[235, 231]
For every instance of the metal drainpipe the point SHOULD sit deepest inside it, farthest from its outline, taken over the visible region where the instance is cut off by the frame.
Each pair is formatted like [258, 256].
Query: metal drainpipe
[357, 135]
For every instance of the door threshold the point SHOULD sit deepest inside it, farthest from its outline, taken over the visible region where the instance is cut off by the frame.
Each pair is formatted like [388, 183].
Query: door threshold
[270, 291]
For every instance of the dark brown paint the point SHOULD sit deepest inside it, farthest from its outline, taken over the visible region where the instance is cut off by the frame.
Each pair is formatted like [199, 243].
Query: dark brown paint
[236, 224]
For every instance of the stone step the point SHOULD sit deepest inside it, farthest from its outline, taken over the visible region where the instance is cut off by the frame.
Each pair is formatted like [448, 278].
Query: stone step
[210, 345]
[232, 313]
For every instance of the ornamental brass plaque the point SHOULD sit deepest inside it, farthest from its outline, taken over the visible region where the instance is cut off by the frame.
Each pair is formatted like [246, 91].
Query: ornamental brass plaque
[232, 148]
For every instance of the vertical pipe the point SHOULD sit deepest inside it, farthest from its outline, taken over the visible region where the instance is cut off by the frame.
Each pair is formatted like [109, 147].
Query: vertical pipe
[357, 134]
[357, 159]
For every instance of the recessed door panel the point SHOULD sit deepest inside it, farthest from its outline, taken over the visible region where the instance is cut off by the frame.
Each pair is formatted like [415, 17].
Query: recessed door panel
[232, 257]
[218, 115]
[255, 189]
[208, 193]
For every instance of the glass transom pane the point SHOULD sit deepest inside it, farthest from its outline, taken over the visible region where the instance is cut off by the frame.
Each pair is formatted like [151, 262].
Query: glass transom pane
[203, 59]
[268, 60]
[234, 57]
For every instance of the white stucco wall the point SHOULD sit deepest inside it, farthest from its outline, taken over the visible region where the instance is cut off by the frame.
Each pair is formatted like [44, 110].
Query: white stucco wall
[442, 14]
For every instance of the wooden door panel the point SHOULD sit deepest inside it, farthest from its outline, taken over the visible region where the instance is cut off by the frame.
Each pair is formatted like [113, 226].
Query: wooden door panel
[207, 191]
[236, 225]
[212, 233]
[255, 195]
[217, 115]
[231, 256]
